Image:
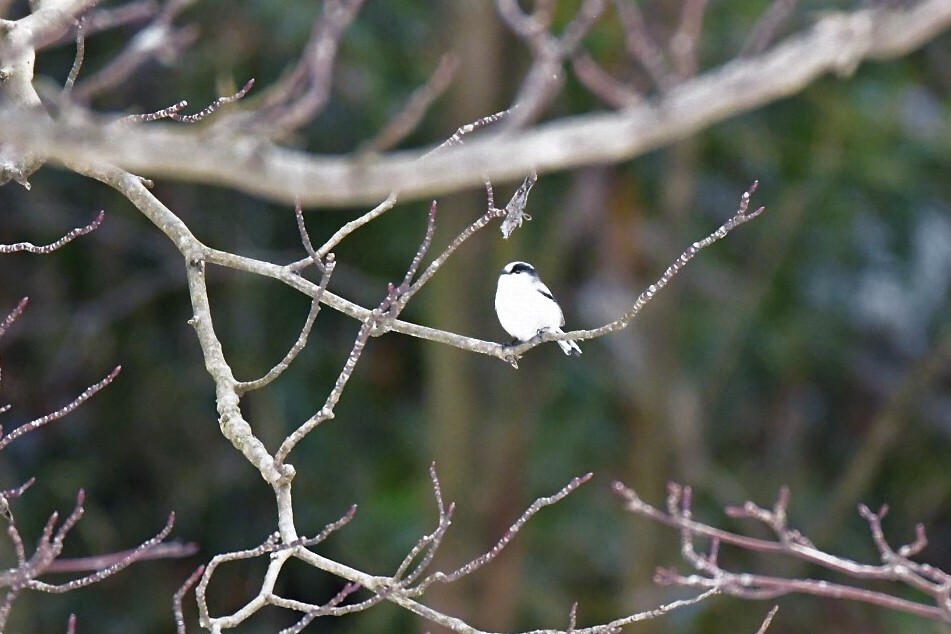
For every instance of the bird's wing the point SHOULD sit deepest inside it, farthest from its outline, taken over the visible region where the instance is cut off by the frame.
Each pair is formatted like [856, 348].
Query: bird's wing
[541, 288]
[544, 290]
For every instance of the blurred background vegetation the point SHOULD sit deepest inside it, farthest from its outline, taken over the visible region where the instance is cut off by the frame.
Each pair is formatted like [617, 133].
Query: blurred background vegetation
[809, 348]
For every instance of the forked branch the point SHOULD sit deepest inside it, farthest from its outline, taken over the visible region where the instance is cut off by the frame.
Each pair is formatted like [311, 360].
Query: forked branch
[896, 565]
[403, 587]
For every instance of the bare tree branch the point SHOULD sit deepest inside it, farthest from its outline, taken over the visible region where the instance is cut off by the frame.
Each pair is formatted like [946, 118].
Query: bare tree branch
[328, 269]
[199, 254]
[159, 39]
[765, 30]
[742, 216]
[545, 77]
[25, 576]
[104, 19]
[642, 47]
[895, 567]
[613, 92]
[326, 412]
[302, 94]
[836, 43]
[273, 546]
[478, 562]
[683, 44]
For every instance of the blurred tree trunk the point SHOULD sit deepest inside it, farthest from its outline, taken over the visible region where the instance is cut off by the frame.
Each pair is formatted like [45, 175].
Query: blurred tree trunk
[660, 406]
[454, 401]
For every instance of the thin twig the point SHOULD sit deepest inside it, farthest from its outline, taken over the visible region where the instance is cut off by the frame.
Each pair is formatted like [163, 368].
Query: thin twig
[166, 550]
[133, 556]
[106, 18]
[159, 39]
[642, 47]
[177, 599]
[435, 265]
[386, 205]
[63, 411]
[303, 93]
[469, 128]
[769, 619]
[545, 77]
[742, 216]
[49, 248]
[14, 314]
[764, 31]
[508, 536]
[428, 543]
[683, 43]
[327, 608]
[412, 113]
[327, 411]
[165, 113]
[345, 231]
[173, 112]
[10, 494]
[328, 268]
[78, 60]
[613, 92]
[243, 387]
[315, 259]
[422, 249]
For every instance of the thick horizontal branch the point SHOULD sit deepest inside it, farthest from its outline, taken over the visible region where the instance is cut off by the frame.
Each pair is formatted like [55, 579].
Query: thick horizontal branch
[836, 43]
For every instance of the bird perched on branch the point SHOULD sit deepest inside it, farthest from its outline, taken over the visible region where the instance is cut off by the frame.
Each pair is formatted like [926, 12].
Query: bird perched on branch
[526, 308]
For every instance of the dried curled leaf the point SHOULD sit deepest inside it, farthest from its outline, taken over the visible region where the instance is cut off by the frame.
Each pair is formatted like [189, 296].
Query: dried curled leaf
[515, 209]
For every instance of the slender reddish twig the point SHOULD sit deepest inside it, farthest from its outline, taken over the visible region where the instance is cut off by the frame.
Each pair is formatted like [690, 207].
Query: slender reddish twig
[63, 411]
[895, 565]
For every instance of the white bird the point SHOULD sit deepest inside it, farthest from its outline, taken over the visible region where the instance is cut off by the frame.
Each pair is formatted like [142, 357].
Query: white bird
[525, 306]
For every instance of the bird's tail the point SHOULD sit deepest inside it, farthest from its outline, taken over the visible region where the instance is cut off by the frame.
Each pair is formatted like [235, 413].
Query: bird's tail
[568, 347]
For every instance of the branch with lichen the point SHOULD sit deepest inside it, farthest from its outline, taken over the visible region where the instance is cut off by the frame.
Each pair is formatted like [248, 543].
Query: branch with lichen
[835, 43]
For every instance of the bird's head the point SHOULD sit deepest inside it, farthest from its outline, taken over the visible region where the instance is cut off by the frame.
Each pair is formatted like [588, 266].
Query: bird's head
[516, 268]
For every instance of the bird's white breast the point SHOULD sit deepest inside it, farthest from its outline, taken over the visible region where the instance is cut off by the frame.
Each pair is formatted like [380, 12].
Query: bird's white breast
[522, 309]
